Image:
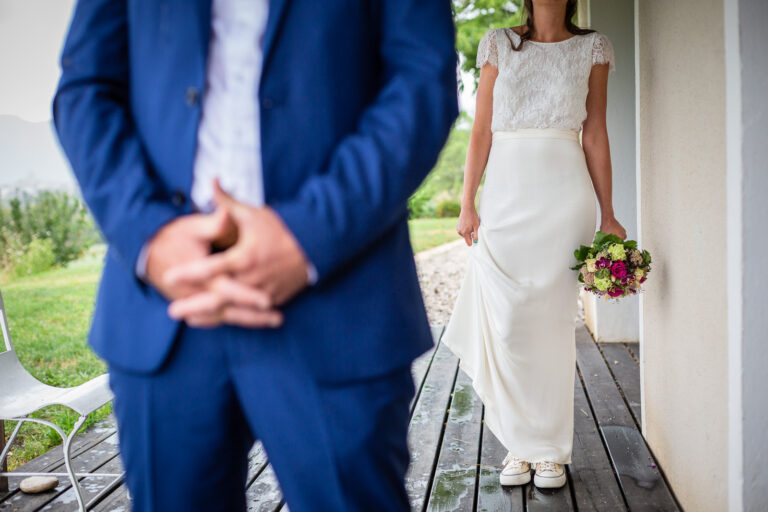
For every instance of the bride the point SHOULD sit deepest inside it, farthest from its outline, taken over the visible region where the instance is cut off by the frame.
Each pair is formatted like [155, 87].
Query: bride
[513, 323]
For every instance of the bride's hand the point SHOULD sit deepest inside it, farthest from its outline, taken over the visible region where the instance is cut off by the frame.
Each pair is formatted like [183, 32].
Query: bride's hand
[612, 226]
[468, 224]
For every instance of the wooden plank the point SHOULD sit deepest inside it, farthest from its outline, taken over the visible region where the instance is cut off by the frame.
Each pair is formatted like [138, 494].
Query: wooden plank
[264, 494]
[634, 349]
[549, 500]
[594, 482]
[118, 501]
[491, 496]
[453, 487]
[421, 364]
[257, 461]
[626, 372]
[609, 408]
[53, 459]
[639, 477]
[91, 486]
[427, 424]
[85, 462]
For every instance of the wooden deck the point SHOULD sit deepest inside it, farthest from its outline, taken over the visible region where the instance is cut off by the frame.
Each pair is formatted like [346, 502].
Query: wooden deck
[455, 459]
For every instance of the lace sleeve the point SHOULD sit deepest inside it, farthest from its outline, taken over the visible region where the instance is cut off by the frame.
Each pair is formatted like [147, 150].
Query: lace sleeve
[487, 50]
[602, 52]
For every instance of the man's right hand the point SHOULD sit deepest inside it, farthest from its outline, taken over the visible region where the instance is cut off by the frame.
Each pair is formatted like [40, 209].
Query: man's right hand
[190, 238]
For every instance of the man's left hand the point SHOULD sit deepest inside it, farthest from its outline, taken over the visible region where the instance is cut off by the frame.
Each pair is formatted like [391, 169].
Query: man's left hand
[266, 256]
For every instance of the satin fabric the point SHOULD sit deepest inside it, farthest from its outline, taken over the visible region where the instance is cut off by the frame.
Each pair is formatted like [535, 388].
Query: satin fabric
[513, 324]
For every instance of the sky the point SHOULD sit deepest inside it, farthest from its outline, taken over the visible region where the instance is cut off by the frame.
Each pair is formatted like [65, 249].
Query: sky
[31, 35]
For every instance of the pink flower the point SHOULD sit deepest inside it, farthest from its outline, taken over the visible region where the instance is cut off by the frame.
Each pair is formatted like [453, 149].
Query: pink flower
[642, 280]
[615, 291]
[619, 269]
[603, 263]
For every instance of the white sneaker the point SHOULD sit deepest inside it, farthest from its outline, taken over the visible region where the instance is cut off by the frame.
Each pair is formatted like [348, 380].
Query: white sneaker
[549, 475]
[515, 471]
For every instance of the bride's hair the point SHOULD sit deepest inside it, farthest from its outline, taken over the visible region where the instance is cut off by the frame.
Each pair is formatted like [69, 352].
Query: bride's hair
[570, 10]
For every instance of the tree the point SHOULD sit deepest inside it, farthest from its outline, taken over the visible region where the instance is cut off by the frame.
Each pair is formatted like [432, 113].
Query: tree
[474, 18]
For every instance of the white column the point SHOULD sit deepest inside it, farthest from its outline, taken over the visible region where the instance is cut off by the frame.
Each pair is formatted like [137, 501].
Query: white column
[746, 47]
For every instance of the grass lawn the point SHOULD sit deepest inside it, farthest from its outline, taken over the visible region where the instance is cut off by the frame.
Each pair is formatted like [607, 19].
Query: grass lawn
[428, 233]
[49, 315]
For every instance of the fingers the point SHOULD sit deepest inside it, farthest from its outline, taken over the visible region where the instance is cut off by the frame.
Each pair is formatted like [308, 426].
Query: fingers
[468, 239]
[226, 301]
[204, 269]
[221, 198]
[232, 291]
[242, 317]
[224, 291]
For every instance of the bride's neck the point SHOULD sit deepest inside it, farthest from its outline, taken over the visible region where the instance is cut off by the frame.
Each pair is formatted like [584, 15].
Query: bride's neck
[548, 25]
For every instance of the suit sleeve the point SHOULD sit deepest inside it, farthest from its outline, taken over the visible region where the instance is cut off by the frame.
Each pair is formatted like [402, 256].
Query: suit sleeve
[93, 120]
[374, 170]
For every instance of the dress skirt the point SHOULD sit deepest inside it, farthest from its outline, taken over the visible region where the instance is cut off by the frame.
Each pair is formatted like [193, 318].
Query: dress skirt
[513, 324]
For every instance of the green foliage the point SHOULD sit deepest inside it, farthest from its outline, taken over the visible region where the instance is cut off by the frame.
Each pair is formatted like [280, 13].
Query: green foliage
[38, 257]
[445, 180]
[428, 233]
[474, 18]
[56, 217]
[448, 208]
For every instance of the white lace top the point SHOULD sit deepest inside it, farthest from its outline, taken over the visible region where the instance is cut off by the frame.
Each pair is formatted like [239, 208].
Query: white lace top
[544, 85]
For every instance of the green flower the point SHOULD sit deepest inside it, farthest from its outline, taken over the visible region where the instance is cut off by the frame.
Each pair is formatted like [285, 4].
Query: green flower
[617, 252]
[602, 283]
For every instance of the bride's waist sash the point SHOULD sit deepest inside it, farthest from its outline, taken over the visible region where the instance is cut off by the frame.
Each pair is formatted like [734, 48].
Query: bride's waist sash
[536, 133]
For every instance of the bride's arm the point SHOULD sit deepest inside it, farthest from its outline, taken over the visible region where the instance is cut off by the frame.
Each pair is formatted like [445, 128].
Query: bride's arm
[594, 140]
[477, 152]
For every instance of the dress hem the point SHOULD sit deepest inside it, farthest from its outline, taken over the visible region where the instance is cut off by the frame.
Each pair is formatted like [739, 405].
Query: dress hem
[485, 399]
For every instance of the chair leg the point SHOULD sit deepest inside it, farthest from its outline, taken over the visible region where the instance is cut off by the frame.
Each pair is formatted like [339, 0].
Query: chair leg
[3, 464]
[68, 462]
[4, 452]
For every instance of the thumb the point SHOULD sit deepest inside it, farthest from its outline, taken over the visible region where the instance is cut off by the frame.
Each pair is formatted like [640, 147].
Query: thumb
[216, 225]
[221, 198]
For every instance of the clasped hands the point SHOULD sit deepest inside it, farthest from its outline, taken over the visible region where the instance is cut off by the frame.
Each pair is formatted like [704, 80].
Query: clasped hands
[258, 267]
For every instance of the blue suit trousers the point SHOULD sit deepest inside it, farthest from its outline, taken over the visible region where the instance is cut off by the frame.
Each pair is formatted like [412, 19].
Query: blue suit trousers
[185, 430]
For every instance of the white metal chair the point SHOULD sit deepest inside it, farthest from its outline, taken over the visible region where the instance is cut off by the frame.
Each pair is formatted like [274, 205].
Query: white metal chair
[21, 395]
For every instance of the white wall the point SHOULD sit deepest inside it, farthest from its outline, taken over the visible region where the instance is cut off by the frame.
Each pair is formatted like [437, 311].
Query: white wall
[681, 156]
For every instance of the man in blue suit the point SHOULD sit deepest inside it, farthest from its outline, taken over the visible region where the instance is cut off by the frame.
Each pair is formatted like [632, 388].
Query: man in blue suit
[249, 161]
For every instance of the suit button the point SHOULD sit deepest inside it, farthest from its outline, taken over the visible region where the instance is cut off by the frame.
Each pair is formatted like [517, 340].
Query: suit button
[268, 103]
[192, 96]
[178, 198]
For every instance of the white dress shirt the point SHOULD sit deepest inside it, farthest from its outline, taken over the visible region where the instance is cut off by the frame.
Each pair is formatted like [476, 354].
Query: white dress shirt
[229, 135]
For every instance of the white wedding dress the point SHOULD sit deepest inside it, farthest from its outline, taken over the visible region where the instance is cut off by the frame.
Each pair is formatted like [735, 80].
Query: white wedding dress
[513, 325]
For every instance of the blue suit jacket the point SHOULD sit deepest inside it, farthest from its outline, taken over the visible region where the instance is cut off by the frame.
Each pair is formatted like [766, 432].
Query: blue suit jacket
[356, 97]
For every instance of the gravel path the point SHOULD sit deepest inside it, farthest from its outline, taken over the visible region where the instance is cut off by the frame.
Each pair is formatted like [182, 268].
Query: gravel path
[441, 272]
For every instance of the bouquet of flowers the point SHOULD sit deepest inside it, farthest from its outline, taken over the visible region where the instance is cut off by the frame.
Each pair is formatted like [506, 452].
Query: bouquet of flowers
[612, 267]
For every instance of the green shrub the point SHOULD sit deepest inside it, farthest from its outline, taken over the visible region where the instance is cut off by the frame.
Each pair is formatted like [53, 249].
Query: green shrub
[58, 217]
[448, 208]
[37, 257]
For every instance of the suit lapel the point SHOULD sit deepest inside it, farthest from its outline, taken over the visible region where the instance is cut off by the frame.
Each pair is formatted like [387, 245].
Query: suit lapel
[201, 23]
[277, 10]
